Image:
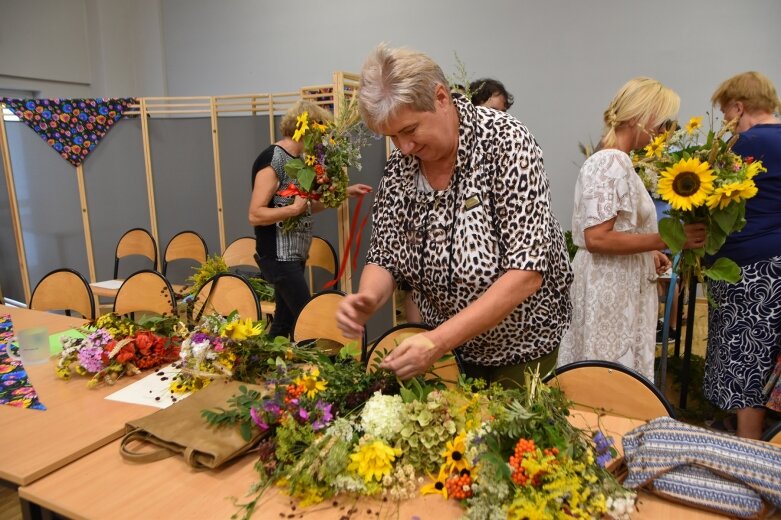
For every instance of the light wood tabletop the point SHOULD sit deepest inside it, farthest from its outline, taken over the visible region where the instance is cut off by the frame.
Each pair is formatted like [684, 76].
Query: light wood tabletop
[170, 489]
[77, 420]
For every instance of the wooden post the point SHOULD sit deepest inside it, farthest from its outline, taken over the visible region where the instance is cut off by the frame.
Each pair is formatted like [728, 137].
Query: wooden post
[85, 223]
[271, 128]
[150, 185]
[217, 172]
[14, 207]
[343, 212]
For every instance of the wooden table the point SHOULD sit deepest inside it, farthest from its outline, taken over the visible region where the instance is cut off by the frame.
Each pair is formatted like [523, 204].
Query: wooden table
[104, 485]
[77, 420]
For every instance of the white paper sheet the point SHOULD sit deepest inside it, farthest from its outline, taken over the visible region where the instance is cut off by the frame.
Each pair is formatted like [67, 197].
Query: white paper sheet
[152, 390]
[108, 284]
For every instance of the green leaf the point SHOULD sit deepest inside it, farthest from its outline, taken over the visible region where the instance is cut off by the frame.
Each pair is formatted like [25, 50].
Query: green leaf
[351, 350]
[723, 269]
[709, 141]
[716, 239]
[671, 231]
[246, 431]
[727, 217]
[292, 167]
[306, 176]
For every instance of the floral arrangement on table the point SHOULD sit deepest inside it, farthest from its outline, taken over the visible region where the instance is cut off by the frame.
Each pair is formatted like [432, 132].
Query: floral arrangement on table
[117, 346]
[215, 265]
[703, 182]
[233, 348]
[330, 148]
[500, 453]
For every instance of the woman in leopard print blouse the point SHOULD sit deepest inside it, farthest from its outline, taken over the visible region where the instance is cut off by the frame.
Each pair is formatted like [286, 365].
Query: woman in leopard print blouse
[463, 217]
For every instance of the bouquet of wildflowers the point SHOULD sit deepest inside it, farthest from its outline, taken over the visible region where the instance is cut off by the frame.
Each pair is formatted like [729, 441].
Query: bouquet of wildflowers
[330, 148]
[703, 182]
[119, 346]
[500, 453]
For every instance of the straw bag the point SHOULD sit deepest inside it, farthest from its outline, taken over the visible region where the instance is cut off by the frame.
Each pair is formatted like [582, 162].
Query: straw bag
[705, 469]
[180, 429]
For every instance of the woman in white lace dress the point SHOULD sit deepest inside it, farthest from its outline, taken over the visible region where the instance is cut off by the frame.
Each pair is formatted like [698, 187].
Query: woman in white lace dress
[614, 226]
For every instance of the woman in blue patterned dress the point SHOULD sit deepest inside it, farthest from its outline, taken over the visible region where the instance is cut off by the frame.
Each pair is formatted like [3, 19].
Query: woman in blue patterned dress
[744, 327]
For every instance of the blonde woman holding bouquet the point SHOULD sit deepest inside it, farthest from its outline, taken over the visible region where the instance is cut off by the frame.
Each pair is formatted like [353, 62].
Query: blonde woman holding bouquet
[283, 253]
[614, 294]
[744, 327]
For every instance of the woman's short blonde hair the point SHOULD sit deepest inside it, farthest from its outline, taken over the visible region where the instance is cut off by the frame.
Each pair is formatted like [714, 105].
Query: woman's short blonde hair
[392, 79]
[643, 100]
[753, 89]
[316, 113]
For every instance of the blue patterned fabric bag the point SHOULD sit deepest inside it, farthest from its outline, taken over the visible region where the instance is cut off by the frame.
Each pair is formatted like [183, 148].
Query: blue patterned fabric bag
[705, 469]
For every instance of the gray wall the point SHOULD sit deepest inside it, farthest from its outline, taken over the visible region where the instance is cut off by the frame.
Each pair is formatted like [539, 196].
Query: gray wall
[563, 60]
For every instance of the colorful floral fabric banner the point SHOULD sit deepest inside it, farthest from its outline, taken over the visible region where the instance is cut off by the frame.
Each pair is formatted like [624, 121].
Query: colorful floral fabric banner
[73, 127]
[15, 388]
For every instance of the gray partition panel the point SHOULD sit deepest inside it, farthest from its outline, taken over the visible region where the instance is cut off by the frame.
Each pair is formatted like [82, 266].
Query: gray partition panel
[241, 140]
[10, 275]
[47, 193]
[185, 196]
[116, 195]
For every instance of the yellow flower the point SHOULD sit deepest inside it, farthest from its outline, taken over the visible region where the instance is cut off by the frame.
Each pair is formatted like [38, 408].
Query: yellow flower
[437, 485]
[754, 168]
[455, 460]
[310, 159]
[686, 184]
[311, 382]
[373, 460]
[319, 127]
[693, 124]
[302, 125]
[655, 147]
[732, 192]
[239, 330]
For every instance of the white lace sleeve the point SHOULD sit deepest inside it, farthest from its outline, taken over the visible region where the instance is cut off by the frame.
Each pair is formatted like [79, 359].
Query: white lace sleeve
[603, 190]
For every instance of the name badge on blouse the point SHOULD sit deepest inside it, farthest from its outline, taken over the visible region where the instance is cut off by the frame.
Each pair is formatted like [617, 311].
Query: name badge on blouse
[472, 202]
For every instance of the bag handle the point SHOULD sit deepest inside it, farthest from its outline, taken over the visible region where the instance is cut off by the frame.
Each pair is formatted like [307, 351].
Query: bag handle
[160, 453]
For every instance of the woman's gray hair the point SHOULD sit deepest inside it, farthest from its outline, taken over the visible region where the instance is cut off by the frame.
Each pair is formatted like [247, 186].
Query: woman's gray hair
[392, 79]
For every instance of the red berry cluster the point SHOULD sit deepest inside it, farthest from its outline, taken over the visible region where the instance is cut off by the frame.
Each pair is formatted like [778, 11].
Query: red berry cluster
[460, 486]
[526, 448]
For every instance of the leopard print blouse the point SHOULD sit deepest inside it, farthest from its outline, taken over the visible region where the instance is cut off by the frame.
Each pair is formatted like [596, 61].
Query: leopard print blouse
[449, 246]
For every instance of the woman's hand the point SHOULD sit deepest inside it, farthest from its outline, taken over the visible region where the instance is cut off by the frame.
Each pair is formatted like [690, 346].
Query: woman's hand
[299, 206]
[661, 262]
[353, 313]
[695, 236]
[413, 357]
[356, 190]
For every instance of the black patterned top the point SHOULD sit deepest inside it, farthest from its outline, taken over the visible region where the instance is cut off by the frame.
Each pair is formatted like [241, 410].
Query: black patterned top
[450, 245]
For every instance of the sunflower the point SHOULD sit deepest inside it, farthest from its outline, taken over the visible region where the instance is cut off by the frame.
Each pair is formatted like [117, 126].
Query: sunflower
[656, 147]
[311, 383]
[693, 124]
[686, 184]
[732, 192]
[310, 160]
[438, 486]
[753, 168]
[302, 125]
[455, 460]
[373, 460]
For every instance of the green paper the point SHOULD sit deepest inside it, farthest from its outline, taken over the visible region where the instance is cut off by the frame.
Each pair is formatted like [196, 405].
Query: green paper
[55, 346]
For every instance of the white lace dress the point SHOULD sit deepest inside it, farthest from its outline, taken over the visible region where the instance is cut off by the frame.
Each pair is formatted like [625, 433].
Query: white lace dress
[614, 297]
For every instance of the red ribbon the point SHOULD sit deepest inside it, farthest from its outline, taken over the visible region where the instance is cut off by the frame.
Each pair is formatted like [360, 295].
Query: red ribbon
[294, 191]
[346, 253]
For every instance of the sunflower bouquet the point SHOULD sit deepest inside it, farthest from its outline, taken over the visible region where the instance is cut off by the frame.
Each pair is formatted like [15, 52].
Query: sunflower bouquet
[330, 148]
[703, 183]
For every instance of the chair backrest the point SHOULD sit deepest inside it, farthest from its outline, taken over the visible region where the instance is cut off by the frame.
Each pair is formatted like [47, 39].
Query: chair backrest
[240, 252]
[185, 245]
[447, 369]
[64, 290]
[773, 434]
[317, 320]
[224, 293]
[611, 387]
[145, 291]
[322, 255]
[137, 241]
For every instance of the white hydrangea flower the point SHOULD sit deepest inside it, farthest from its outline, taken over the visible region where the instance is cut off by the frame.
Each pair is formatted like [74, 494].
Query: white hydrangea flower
[382, 416]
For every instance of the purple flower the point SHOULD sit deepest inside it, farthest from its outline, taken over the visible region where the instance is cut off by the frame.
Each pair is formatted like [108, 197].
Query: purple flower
[603, 459]
[199, 337]
[91, 359]
[99, 338]
[303, 414]
[256, 418]
[326, 416]
[272, 408]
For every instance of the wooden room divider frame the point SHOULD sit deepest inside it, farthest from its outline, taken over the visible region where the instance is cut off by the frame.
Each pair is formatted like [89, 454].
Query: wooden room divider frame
[342, 87]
